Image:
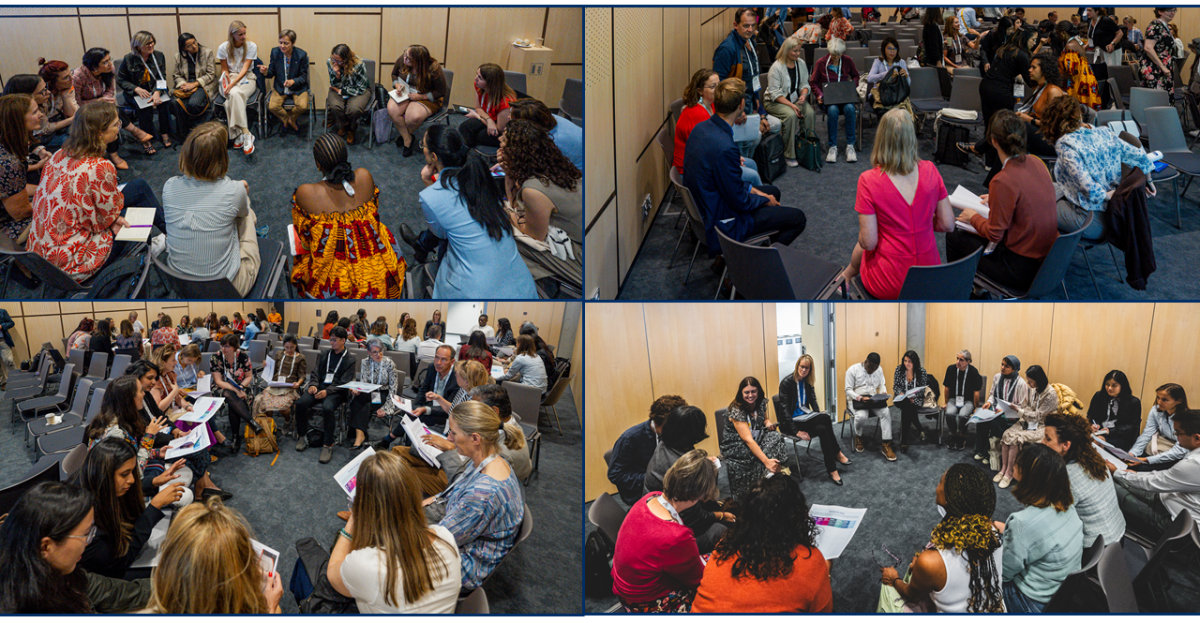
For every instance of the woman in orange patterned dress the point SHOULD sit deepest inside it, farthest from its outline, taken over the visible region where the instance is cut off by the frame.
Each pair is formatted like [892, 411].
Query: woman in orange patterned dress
[348, 253]
[1077, 75]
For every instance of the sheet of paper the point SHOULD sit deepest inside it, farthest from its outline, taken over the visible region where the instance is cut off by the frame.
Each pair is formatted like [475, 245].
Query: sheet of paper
[194, 441]
[360, 386]
[185, 339]
[295, 244]
[268, 372]
[148, 557]
[203, 385]
[1115, 451]
[347, 476]
[747, 131]
[909, 394]
[497, 371]
[404, 404]
[983, 415]
[416, 431]
[204, 409]
[1107, 456]
[140, 221]
[836, 526]
[1008, 409]
[268, 559]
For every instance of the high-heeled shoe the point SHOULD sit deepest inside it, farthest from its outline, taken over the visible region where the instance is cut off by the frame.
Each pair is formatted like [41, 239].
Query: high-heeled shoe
[837, 482]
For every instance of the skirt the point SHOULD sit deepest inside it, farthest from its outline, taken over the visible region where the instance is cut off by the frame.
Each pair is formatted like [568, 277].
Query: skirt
[274, 399]
[1019, 434]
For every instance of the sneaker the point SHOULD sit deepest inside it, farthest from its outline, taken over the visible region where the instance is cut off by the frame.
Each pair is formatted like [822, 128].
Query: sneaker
[851, 155]
[792, 162]
[326, 454]
[887, 451]
[302, 444]
[248, 143]
[237, 142]
[832, 155]
[1005, 482]
[858, 444]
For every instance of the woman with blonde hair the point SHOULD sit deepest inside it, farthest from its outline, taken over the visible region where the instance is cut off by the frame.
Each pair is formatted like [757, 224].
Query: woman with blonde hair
[900, 202]
[787, 95]
[801, 415]
[235, 56]
[386, 557]
[208, 566]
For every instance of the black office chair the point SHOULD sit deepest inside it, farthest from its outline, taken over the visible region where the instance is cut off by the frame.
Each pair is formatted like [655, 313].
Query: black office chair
[273, 264]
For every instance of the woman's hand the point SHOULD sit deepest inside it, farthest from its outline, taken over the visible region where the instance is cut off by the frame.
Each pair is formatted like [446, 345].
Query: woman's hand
[419, 411]
[168, 473]
[142, 93]
[427, 174]
[773, 465]
[178, 433]
[889, 576]
[118, 224]
[438, 442]
[241, 394]
[274, 591]
[355, 392]
[156, 98]
[492, 129]
[167, 495]
[471, 114]
[987, 405]
[156, 425]
[432, 396]
[770, 425]
[803, 435]
[966, 215]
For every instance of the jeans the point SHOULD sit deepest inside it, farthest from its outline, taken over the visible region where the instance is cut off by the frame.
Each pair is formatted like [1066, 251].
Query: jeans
[850, 112]
[750, 173]
[746, 148]
[956, 417]
[1071, 217]
[1144, 511]
[1018, 603]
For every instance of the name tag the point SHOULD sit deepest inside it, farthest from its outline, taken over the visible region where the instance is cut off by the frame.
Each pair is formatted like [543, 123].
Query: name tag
[1110, 424]
[281, 379]
[754, 86]
[375, 398]
[329, 378]
[1031, 426]
[161, 85]
[1018, 90]
[958, 401]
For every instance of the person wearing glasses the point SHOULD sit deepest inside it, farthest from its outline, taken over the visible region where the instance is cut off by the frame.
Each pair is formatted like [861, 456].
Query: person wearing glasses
[801, 415]
[349, 91]
[143, 80]
[289, 68]
[963, 383]
[334, 367]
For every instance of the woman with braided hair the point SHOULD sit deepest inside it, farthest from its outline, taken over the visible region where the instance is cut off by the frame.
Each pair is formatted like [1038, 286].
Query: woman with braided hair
[961, 570]
[1069, 434]
[348, 253]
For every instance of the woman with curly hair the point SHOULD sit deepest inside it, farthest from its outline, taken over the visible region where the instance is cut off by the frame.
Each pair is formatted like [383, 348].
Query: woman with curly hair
[768, 561]
[750, 445]
[545, 202]
[1043, 71]
[961, 571]
[1095, 494]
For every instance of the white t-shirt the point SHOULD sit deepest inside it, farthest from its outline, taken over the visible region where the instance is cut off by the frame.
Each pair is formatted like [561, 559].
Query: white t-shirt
[138, 327]
[364, 570]
[248, 50]
[487, 330]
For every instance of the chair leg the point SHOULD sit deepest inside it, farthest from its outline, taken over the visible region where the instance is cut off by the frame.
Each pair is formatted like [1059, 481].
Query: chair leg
[1093, 275]
[718, 292]
[557, 422]
[1174, 188]
[689, 272]
[677, 243]
[1113, 255]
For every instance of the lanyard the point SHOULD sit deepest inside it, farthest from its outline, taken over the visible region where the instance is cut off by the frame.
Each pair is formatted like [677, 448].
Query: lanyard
[1006, 393]
[376, 369]
[959, 382]
[662, 499]
[290, 367]
[465, 476]
[329, 360]
[801, 395]
[753, 56]
[159, 69]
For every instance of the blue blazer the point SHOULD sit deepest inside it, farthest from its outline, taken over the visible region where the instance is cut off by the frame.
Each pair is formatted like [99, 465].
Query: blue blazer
[476, 265]
[712, 171]
[297, 70]
[6, 325]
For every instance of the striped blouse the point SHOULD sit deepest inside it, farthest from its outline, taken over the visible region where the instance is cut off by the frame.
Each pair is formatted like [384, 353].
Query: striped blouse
[484, 515]
[202, 235]
[1096, 504]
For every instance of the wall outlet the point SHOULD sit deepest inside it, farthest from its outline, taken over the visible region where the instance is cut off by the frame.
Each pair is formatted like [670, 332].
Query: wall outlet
[647, 205]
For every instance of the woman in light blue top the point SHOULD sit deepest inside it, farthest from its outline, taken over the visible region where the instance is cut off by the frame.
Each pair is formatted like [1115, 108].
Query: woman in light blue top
[1088, 169]
[526, 367]
[889, 57]
[1043, 542]
[1165, 451]
[462, 204]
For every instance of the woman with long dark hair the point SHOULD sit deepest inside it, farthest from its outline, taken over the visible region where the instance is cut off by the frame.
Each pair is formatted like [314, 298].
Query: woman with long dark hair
[684, 427]
[476, 348]
[94, 80]
[1114, 412]
[487, 121]
[962, 571]
[749, 443]
[504, 333]
[425, 83]
[768, 561]
[1069, 434]
[1042, 400]
[123, 519]
[461, 203]
[910, 375]
[19, 117]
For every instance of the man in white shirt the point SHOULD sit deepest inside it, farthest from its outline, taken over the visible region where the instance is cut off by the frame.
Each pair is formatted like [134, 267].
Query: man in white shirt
[1151, 500]
[484, 327]
[427, 349]
[864, 380]
[138, 327]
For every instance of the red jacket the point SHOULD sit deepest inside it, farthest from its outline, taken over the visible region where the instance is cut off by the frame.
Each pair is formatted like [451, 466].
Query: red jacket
[821, 73]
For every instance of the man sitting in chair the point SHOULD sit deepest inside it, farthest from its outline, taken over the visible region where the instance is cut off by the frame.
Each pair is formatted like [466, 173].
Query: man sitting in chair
[439, 381]
[864, 380]
[1150, 501]
[335, 367]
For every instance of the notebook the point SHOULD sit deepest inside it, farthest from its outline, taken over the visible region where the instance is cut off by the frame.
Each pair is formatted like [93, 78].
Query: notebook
[140, 220]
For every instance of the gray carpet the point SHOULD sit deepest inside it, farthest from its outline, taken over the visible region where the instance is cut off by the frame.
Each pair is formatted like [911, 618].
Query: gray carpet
[900, 499]
[297, 498]
[827, 199]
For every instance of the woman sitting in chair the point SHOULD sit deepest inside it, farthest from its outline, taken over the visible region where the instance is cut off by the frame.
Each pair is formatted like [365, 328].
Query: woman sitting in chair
[750, 445]
[290, 367]
[418, 74]
[802, 416]
[210, 223]
[349, 91]
[486, 123]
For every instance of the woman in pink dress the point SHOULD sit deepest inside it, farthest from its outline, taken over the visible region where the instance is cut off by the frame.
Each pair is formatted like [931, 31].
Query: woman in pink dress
[901, 202]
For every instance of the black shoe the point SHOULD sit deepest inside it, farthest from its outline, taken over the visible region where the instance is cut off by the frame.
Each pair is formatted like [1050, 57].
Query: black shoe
[382, 445]
[411, 238]
[208, 493]
[904, 447]
[407, 151]
[255, 426]
[837, 482]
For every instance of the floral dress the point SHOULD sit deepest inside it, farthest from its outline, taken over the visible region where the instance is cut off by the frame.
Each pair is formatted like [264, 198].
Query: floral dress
[744, 468]
[1080, 81]
[1164, 47]
[12, 181]
[238, 373]
[349, 255]
[280, 399]
[1034, 409]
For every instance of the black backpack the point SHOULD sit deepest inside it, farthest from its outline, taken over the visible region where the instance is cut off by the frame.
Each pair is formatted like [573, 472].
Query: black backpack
[598, 552]
[947, 153]
[769, 157]
[893, 89]
[119, 279]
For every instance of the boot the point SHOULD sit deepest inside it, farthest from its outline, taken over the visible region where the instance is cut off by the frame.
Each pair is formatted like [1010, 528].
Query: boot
[887, 451]
[237, 441]
[858, 444]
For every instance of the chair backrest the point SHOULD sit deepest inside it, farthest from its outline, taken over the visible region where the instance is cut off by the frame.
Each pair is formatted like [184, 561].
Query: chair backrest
[1123, 76]
[293, 327]
[74, 459]
[119, 363]
[758, 273]
[257, 350]
[526, 527]
[9, 495]
[557, 391]
[1055, 266]
[1165, 130]
[676, 110]
[1140, 99]
[188, 287]
[1113, 574]
[79, 402]
[422, 368]
[964, 94]
[859, 56]
[515, 80]
[98, 367]
[474, 603]
[212, 346]
[607, 515]
[967, 72]
[572, 98]
[666, 141]
[310, 358]
[1181, 527]
[1105, 117]
[371, 75]
[94, 405]
[721, 421]
[76, 356]
[1114, 92]
[695, 219]
[924, 84]
[64, 384]
[400, 359]
[608, 458]
[875, 46]
[949, 282]
[304, 341]
[526, 400]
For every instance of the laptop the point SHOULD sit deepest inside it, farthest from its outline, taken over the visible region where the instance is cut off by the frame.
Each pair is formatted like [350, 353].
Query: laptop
[843, 92]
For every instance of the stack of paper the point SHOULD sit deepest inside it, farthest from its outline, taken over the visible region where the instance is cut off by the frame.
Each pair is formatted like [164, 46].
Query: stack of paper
[362, 388]
[909, 394]
[1104, 454]
[1115, 451]
[748, 131]
[404, 404]
[964, 199]
[836, 527]
[194, 441]
[347, 476]
[204, 409]
[268, 374]
[140, 221]
[416, 433]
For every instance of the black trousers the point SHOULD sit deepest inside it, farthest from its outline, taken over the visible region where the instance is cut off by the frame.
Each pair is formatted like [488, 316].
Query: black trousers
[908, 419]
[361, 410]
[435, 419]
[327, 408]
[789, 222]
[145, 118]
[197, 102]
[239, 412]
[821, 427]
[475, 134]
[1007, 268]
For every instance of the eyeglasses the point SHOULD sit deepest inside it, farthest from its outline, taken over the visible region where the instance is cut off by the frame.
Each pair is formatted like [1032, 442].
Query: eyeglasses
[961, 359]
[88, 538]
[886, 558]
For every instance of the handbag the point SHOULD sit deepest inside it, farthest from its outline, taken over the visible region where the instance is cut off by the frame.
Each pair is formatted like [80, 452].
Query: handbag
[808, 151]
[182, 98]
[892, 90]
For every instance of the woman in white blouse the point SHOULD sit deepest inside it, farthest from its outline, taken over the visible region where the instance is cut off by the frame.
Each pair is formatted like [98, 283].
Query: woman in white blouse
[787, 95]
[386, 557]
[238, 83]
[526, 367]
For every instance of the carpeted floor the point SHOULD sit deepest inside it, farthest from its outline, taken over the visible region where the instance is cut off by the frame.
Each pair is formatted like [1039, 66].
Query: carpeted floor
[282, 163]
[827, 199]
[293, 496]
[900, 499]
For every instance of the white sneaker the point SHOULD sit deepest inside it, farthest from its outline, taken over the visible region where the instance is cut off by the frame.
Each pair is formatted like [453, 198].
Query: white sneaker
[792, 162]
[851, 156]
[158, 244]
[247, 143]
[237, 142]
[832, 156]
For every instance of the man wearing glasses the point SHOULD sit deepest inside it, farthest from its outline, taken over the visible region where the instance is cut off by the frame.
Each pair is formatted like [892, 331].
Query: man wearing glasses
[963, 384]
[334, 367]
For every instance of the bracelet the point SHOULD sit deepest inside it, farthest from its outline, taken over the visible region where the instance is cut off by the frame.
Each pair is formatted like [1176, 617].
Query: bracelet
[342, 531]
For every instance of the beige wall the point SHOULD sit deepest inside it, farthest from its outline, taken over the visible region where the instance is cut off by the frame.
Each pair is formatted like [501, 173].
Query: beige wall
[462, 38]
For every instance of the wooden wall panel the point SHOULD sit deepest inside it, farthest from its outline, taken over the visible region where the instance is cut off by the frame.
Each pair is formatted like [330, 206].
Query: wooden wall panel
[949, 328]
[546, 316]
[35, 308]
[480, 35]
[601, 248]
[109, 307]
[38, 330]
[45, 10]
[407, 26]
[577, 367]
[1090, 340]
[601, 180]
[49, 37]
[147, 10]
[869, 327]
[619, 390]
[563, 28]
[676, 64]
[1021, 329]
[814, 340]
[1173, 354]
[105, 32]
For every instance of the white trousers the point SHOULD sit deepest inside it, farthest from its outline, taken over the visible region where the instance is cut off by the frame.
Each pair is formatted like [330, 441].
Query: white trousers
[885, 421]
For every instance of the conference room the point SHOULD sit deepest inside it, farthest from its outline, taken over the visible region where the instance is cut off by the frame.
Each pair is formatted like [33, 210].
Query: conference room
[292, 424]
[788, 199]
[292, 152]
[938, 428]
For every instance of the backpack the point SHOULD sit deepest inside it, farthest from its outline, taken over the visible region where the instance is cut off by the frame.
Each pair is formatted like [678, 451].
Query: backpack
[313, 592]
[598, 552]
[119, 279]
[769, 157]
[892, 90]
[947, 153]
[808, 151]
[316, 436]
[264, 443]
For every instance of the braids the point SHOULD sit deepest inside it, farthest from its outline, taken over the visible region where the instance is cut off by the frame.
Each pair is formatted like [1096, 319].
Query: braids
[332, 158]
[967, 528]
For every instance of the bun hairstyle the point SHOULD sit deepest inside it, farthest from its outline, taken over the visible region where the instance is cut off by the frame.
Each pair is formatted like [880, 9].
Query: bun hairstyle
[333, 158]
[50, 70]
[477, 418]
[1008, 130]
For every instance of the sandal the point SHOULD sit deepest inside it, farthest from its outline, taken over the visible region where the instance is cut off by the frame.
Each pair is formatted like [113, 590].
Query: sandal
[118, 162]
[166, 141]
[148, 148]
[967, 148]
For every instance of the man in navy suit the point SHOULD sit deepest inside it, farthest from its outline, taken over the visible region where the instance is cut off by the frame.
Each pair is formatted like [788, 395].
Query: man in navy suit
[712, 171]
[289, 68]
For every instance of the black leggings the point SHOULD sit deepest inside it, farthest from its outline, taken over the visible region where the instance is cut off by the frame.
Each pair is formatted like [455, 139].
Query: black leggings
[821, 427]
[145, 119]
[475, 134]
[1007, 268]
[239, 411]
[908, 419]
